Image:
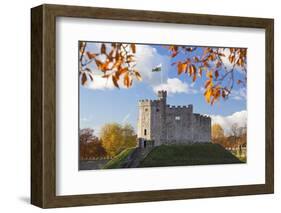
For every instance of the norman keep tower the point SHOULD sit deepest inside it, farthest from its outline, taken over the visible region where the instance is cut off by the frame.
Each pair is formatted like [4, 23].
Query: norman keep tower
[159, 123]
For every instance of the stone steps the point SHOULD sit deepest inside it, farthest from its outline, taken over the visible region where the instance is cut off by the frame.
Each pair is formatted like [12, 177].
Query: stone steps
[136, 157]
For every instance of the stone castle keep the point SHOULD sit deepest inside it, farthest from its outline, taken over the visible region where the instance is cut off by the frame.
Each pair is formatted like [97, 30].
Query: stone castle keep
[159, 123]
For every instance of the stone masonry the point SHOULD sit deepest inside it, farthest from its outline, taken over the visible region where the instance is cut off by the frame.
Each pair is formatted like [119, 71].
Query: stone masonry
[159, 123]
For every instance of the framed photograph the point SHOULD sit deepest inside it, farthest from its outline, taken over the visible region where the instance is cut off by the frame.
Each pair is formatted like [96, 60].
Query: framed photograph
[136, 106]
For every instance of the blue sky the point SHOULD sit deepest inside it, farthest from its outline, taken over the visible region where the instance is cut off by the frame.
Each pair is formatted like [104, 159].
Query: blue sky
[101, 102]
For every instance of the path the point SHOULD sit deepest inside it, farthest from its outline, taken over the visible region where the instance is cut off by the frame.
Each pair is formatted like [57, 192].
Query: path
[136, 157]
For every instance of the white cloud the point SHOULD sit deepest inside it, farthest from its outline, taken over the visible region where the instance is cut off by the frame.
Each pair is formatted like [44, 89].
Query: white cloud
[224, 59]
[227, 63]
[239, 118]
[100, 83]
[174, 85]
[239, 95]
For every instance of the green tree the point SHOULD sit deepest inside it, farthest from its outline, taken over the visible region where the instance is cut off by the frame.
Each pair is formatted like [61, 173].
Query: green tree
[129, 136]
[217, 132]
[116, 137]
[111, 137]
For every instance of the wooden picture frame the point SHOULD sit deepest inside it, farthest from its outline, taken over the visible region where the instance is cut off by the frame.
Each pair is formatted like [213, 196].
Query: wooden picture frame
[43, 105]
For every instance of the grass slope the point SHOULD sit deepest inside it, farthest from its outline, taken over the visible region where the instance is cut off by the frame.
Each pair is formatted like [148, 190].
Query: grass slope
[117, 161]
[184, 155]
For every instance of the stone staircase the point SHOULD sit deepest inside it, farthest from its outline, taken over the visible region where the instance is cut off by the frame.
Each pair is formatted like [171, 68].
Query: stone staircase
[134, 159]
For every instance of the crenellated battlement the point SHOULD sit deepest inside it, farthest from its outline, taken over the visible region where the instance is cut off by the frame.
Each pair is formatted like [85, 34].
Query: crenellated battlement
[179, 109]
[202, 117]
[190, 106]
[147, 102]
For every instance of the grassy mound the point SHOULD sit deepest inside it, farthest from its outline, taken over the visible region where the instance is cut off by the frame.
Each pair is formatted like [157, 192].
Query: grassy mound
[184, 155]
[117, 161]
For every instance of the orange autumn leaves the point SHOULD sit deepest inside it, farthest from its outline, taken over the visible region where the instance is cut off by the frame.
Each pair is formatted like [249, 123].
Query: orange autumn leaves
[116, 61]
[216, 64]
[187, 68]
[220, 79]
[212, 93]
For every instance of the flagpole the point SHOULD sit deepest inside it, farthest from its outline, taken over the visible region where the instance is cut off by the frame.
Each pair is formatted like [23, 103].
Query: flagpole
[162, 78]
[158, 69]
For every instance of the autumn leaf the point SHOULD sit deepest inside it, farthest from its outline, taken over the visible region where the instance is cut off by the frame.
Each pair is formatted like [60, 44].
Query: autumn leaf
[127, 80]
[206, 51]
[98, 63]
[223, 94]
[117, 64]
[106, 76]
[91, 77]
[216, 74]
[218, 64]
[138, 75]
[103, 49]
[174, 54]
[213, 100]
[120, 71]
[212, 94]
[208, 94]
[240, 62]
[200, 72]
[194, 77]
[212, 56]
[208, 83]
[191, 69]
[114, 80]
[117, 55]
[209, 74]
[83, 78]
[91, 55]
[217, 92]
[173, 48]
[190, 49]
[82, 47]
[110, 56]
[104, 66]
[130, 58]
[231, 58]
[196, 59]
[181, 67]
[206, 64]
[133, 47]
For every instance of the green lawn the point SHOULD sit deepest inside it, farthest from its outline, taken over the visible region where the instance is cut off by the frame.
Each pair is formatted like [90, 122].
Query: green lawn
[117, 161]
[184, 155]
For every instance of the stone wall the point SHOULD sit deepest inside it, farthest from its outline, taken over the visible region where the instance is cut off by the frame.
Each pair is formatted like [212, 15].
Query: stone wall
[165, 124]
[144, 119]
[179, 124]
[201, 128]
[157, 122]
